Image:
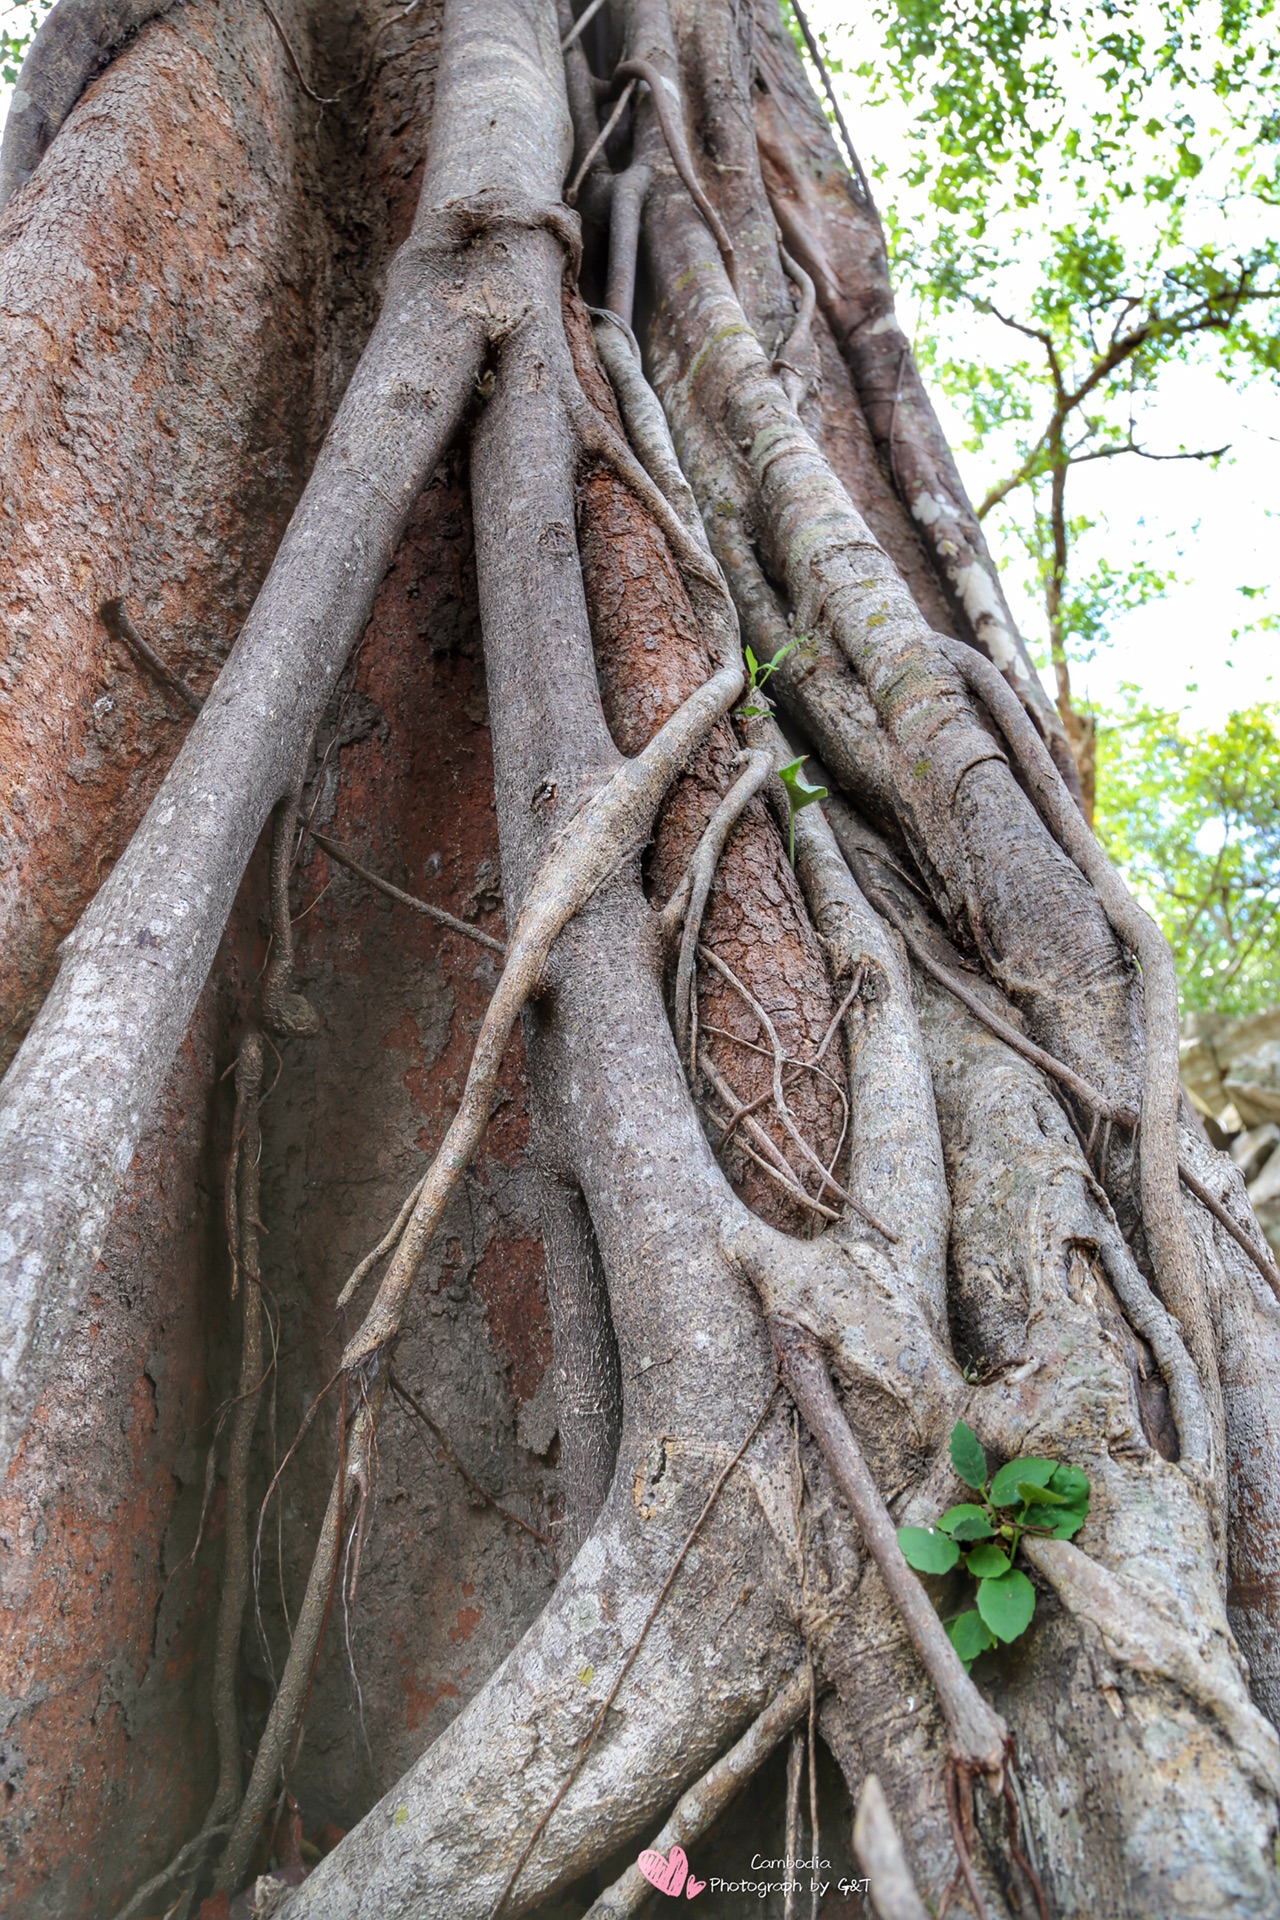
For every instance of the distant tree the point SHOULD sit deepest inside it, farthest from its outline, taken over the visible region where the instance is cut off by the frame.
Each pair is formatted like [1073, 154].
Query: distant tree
[1194, 820]
[1102, 181]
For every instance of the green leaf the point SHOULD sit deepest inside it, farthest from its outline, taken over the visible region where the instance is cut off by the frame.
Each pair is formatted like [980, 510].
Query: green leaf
[1066, 1523]
[1073, 1484]
[970, 1635]
[1032, 1494]
[1034, 1473]
[927, 1551]
[1007, 1603]
[753, 665]
[771, 666]
[800, 793]
[967, 1457]
[987, 1563]
[966, 1522]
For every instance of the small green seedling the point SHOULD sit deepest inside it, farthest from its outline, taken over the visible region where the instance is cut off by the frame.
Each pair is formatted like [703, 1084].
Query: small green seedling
[799, 794]
[1041, 1497]
[757, 675]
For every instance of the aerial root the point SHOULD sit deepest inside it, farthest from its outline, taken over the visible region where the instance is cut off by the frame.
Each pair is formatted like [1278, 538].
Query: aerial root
[415, 1407]
[684, 910]
[583, 21]
[441, 917]
[115, 619]
[766, 1153]
[791, 1848]
[603, 836]
[278, 1745]
[703, 1803]
[1172, 1250]
[977, 1736]
[787, 360]
[668, 110]
[182, 1861]
[1194, 1659]
[880, 1853]
[742, 1113]
[642, 414]
[1103, 1109]
[242, 1207]
[598, 145]
[710, 597]
[826, 1180]
[286, 1013]
[389, 1240]
[629, 190]
[958, 1783]
[627, 1664]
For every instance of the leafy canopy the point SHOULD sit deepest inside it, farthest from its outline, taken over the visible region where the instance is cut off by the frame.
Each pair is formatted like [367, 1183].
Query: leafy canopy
[17, 28]
[1194, 820]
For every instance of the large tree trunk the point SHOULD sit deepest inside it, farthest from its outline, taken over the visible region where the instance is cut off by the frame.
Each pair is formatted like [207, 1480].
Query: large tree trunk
[733, 1180]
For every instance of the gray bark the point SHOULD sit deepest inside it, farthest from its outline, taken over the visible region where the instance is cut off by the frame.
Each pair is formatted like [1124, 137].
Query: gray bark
[985, 1266]
[74, 42]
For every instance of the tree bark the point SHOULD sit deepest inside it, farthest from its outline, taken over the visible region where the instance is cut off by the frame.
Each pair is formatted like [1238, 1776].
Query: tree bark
[723, 1206]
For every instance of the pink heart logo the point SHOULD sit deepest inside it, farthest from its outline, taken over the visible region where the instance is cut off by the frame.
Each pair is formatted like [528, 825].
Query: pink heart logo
[694, 1888]
[667, 1875]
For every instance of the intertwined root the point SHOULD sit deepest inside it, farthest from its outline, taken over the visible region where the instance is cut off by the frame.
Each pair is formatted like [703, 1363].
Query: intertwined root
[780, 1149]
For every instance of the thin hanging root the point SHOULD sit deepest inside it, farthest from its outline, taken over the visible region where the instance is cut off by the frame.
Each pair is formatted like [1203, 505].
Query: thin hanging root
[668, 117]
[712, 604]
[786, 362]
[688, 903]
[815, 54]
[779, 1058]
[1261, 1259]
[1089, 1095]
[390, 1239]
[598, 144]
[629, 1662]
[438, 914]
[794, 1068]
[616, 820]
[118, 624]
[855, 988]
[285, 1012]
[279, 1738]
[795, 1768]
[879, 1850]
[242, 1208]
[180, 1863]
[769, 1156]
[815, 1848]
[1017, 1825]
[583, 20]
[959, 1791]
[235, 1579]
[977, 1736]
[698, 1808]
[403, 1394]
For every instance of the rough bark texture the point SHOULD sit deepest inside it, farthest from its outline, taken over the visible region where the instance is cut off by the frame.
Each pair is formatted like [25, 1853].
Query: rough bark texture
[589, 1552]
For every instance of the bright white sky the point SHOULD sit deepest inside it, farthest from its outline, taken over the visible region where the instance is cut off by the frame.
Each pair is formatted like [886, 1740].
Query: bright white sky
[1217, 529]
